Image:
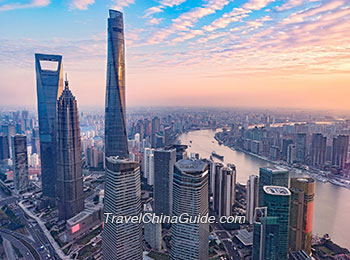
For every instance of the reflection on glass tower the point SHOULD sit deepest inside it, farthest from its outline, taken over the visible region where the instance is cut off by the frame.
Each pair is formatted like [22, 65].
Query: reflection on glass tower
[49, 81]
[116, 143]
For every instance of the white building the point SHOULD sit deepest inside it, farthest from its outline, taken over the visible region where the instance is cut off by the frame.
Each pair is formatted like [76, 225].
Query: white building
[148, 165]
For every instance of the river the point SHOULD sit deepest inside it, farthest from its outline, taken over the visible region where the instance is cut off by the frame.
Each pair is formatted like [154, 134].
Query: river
[332, 203]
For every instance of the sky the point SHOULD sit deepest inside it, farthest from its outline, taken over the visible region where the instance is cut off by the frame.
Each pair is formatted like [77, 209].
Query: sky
[239, 53]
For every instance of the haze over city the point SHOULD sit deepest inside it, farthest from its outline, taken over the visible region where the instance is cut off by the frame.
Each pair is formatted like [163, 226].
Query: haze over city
[260, 53]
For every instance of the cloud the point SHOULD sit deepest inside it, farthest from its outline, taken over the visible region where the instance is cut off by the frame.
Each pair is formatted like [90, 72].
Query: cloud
[120, 4]
[154, 21]
[81, 4]
[31, 4]
[163, 4]
[257, 4]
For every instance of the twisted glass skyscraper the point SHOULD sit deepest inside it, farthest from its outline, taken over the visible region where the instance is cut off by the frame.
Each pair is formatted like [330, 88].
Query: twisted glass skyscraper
[49, 80]
[116, 142]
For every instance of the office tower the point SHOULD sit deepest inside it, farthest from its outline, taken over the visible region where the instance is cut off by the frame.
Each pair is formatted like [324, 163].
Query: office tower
[265, 235]
[340, 150]
[20, 163]
[300, 148]
[69, 185]
[116, 142]
[9, 130]
[35, 141]
[318, 150]
[164, 161]
[270, 239]
[301, 213]
[285, 144]
[291, 153]
[190, 194]
[271, 175]
[49, 82]
[252, 197]
[155, 129]
[152, 230]
[148, 165]
[147, 125]
[4, 147]
[216, 185]
[181, 152]
[122, 241]
[227, 190]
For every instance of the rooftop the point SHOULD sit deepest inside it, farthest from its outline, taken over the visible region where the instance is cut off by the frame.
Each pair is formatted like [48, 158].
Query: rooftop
[276, 190]
[191, 165]
[275, 169]
[245, 237]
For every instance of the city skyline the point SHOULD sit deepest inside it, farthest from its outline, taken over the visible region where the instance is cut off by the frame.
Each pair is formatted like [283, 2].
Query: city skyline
[229, 53]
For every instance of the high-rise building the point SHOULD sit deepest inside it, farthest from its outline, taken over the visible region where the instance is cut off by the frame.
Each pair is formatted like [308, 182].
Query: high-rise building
[35, 141]
[155, 129]
[49, 81]
[152, 230]
[271, 175]
[227, 190]
[340, 150]
[122, 241]
[69, 185]
[270, 239]
[285, 144]
[216, 181]
[4, 147]
[9, 130]
[252, 197]
[291, 153]
[301, 213]
[148, 165]
[265, 235]
[116, 142]
[164, 161]
[318, 150]
[300, 145]
[20, 163]
[190, 196]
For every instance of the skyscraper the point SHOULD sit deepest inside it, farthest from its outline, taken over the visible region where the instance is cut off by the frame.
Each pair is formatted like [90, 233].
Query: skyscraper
[227, 191]
[9, 130]
[190, 195]
[148, 165]
[252, 197]
[318, 150]
[271, 231]
[340, 150]
[300, 145]
[122, 241]
[49, 80]
[271, 175]
[301, 213]
[20, 163]
[155, 129]
[116, 142]
[69, 188]
[4, 147]
[216, 185]
[164, 161]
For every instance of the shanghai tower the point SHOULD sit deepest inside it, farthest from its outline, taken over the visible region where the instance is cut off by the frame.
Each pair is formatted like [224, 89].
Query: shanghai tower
[49, 80]
[70, 195]
[116, 143]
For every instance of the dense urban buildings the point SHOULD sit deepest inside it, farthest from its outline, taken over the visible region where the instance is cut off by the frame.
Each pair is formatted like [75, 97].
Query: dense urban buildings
[301, 213]
[49, 82]
[340, 150]
[122, 198]
[116, 142]
[164, 161]
[190, 195]
[318, 150]
[69, 185]
[20, 162]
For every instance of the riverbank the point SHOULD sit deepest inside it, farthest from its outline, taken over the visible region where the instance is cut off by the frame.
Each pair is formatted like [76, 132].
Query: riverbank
[295, 170]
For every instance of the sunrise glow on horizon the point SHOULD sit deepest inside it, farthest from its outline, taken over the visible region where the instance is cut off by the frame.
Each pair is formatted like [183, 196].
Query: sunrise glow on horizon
[248, 53]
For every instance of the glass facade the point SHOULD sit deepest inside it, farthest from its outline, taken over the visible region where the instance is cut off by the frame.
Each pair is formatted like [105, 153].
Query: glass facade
[49, 89]
[116, 142]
